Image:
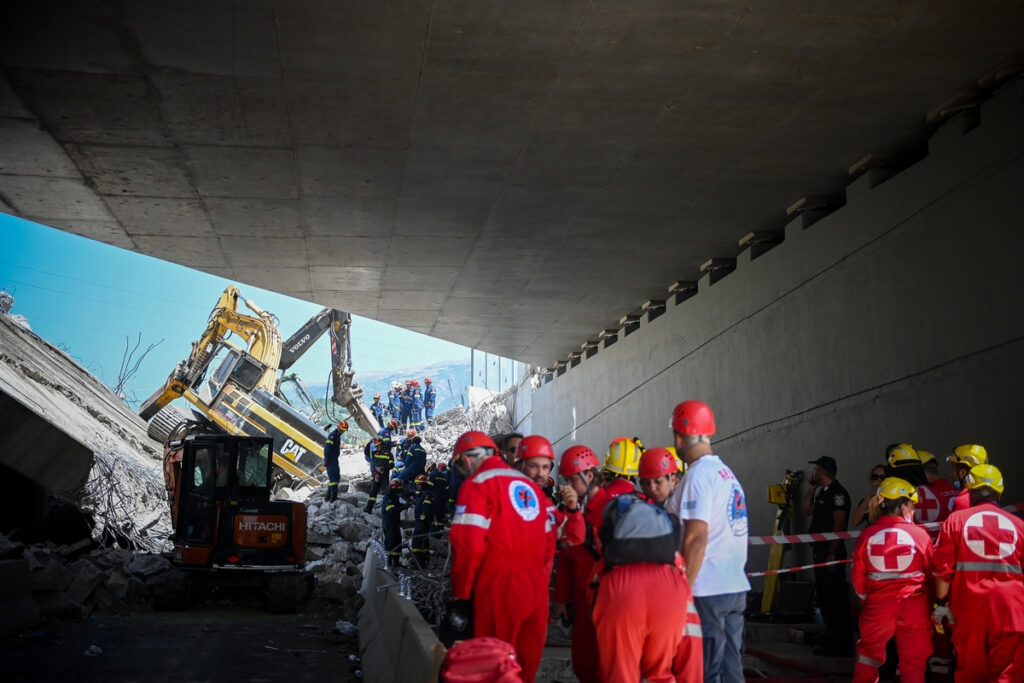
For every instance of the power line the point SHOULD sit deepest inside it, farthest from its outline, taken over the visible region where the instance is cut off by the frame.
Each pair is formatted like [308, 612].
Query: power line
[98, 284]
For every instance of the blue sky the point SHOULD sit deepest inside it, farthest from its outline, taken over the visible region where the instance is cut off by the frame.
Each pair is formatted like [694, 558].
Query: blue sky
[86, 297]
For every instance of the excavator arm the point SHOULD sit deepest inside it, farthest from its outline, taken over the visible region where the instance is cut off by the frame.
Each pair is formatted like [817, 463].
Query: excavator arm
[259, 332]
[345, 392]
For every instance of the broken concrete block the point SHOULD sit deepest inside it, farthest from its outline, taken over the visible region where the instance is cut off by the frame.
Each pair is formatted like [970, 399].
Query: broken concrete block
[112, 558]
[87, 578]
[38, 557]
[117, 584]
[69, 552]
[105, 601]
[149, 565]
[314, 552]
[319, 538]
[10, 550]
[54, 577]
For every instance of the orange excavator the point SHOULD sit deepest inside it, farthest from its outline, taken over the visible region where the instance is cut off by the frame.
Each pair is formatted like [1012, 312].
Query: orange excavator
[227, 530]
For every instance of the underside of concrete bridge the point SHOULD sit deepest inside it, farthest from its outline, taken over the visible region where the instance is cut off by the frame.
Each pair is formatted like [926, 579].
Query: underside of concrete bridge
[806, 213]
[515, 177]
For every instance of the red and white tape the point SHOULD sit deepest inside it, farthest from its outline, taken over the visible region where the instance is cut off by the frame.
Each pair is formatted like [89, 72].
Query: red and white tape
[838, 535]
[787, 570]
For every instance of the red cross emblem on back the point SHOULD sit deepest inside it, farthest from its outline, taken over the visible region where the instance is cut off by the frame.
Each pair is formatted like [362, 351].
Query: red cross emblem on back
[928, 508]
[990, 535]
[891, 550]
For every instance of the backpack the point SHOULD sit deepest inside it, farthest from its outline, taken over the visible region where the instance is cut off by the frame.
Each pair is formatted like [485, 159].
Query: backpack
[633, 531]
[481, 660]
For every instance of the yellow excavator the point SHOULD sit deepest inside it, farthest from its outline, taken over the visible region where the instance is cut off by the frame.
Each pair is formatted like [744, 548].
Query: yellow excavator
[242, 395]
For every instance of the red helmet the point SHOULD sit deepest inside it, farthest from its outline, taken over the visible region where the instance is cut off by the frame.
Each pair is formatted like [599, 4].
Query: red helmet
[396, 483]
[427, 380]
[577, 459]
[343, 425]
[693, 417]
[410, 433]
[421, 479]
[408, 382]
[442, 467]
[393, 425]
[471, 441]
[535, 446]
[657, 461]
[376, 395]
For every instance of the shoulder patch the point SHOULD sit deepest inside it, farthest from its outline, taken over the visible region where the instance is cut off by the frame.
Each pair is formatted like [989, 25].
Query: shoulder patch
[840, 499]
[524, 500]
[460, 509]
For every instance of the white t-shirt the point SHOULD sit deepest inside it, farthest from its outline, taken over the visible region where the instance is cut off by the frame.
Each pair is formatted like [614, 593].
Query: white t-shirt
[711, 493]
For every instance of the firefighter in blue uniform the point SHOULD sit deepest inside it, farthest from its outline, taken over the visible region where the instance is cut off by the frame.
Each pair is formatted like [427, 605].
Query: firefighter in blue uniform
[429, 401]
[377, 408]
[332, 449]
[414, 462]
[391, 521]
[416, 411]
[421, 530]
[406, 398]
[395, 401]
[383, 461]
[437, 500]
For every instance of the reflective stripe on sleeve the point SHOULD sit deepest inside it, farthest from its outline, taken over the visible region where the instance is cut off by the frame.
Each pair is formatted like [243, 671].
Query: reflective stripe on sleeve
[499, 472]
[471, 519]
[988, 567]
[864, 659]
[889, 576]
[693, 630]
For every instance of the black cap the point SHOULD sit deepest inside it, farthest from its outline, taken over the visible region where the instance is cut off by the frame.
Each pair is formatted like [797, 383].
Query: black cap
[827, 463]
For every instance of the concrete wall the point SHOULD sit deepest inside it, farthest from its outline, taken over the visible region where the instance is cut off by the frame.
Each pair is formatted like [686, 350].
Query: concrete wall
[894, 318]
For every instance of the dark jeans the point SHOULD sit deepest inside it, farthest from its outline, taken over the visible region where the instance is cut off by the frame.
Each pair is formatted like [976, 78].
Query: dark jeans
[721, 620]
[834, 601]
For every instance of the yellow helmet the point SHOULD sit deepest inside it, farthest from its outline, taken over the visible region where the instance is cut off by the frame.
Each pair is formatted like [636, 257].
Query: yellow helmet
[925, 456]
[624, 456]
[985, 476]
[903, 454]
[894, 488]
[679, 461]
[969, 454]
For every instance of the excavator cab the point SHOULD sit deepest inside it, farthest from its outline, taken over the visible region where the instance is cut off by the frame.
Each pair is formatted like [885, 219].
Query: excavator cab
[227, 530]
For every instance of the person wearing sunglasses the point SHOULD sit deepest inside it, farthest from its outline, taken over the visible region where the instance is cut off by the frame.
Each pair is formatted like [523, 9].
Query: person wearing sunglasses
[860, 515]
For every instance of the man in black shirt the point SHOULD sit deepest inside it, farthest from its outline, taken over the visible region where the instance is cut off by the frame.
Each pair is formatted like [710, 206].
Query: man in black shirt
[828, 504]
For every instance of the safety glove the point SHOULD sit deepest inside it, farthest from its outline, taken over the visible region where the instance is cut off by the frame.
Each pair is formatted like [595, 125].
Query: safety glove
[942, 617]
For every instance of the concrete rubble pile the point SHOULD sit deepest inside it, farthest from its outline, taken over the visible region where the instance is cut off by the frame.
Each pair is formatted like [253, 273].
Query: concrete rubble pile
[83, 578]
[489, 413]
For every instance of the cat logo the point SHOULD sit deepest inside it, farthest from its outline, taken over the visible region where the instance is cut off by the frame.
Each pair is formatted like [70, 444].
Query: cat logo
[292, 449]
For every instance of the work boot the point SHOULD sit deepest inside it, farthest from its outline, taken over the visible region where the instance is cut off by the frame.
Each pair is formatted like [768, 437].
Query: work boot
[332, 494]
[369, 506]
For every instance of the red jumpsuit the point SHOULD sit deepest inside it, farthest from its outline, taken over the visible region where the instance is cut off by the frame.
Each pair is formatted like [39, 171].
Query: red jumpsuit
[639, 618]
[890, 572]
[575, 569]
[688, 665]
[500, 547]
[932, 505]
[962, 501]
[980, 551]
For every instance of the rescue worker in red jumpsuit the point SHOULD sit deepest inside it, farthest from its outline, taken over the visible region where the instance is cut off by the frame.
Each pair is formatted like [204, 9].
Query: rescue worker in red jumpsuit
[939, 485]
[639, 612]
[499, 540]
[535, 458]
[980, 556]
[659, 471]
[620, 468]
[965, 457]
[579, 468]
[906, 462]
[890, 572]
